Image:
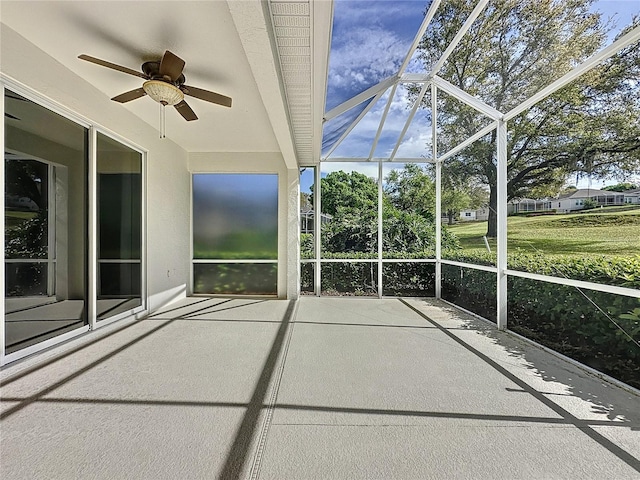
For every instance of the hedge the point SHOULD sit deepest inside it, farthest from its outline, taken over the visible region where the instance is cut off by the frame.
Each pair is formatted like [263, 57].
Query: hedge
[578, 323]
[361, 278]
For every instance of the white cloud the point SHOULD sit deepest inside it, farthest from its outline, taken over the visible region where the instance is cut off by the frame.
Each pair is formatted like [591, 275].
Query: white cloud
[368, 169]
[364, 57]
[371, 39]
[416, 142]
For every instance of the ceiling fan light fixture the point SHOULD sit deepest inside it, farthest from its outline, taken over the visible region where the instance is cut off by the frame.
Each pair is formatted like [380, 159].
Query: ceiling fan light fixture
[163, 92]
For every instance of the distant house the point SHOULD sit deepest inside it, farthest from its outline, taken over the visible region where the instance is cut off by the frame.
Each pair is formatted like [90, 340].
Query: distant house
[525, 205]
[575, 200]
[307, 216]
[632, 197]
[569, 202]
[479, 214]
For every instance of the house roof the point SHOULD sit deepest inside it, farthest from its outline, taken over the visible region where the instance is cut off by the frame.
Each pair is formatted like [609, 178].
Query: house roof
[587, 193]
[528, 200]
[270, 57]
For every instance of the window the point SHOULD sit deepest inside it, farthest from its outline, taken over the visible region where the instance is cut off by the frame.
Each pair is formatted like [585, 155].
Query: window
[235, 234]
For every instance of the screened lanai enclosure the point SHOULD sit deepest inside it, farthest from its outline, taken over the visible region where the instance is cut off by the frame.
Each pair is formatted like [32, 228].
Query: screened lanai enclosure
[410, 248]
[480, 113]
[449, 134]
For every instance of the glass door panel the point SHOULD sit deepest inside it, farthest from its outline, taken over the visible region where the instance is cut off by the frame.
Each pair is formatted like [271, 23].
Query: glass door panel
[45, 163]
[119, 228]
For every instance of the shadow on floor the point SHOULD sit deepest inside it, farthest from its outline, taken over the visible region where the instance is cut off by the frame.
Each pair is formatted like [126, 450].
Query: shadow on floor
[576, 386]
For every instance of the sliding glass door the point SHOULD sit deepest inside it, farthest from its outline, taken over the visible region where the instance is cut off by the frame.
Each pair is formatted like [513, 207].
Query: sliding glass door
[49, 178]
[45, 162]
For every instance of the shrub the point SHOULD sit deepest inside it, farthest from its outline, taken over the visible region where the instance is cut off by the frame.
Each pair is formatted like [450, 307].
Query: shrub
[578, 323]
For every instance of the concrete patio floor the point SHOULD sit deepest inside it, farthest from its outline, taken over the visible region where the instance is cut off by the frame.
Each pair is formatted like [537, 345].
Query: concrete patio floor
[322, 388]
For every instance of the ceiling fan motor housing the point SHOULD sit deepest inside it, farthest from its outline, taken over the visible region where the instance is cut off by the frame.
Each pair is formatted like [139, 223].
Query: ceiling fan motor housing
[152, 71]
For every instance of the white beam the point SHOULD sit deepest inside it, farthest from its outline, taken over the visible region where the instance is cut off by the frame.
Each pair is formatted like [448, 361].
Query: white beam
[92, 230]
[434, 150]
[361, 97]
[598, 287]
[379, 229]
[626, 40]
[382, 121]
[423, 28]
[414, 109]
[317, 226]
[321, 25]
[501, 215]
[415, 78]
[354, 123]
[464, 97]
[377, 159]
[461, 146]
[472, 266]
[456, 40]
[255, 31]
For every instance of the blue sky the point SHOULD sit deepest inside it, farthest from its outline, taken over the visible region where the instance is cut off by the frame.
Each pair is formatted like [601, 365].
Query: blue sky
[370, 40]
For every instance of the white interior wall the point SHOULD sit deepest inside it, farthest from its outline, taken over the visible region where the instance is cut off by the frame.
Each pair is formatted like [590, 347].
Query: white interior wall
[268, 163]
[168, 180]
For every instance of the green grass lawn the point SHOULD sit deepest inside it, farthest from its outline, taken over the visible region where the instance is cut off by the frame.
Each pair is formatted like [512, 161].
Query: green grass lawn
[13, 218]
[601, 232]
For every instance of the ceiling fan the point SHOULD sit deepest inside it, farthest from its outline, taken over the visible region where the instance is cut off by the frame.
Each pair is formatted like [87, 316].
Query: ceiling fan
[164, 83]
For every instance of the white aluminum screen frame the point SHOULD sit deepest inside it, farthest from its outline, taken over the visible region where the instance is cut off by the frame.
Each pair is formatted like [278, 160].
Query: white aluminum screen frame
[499, 123]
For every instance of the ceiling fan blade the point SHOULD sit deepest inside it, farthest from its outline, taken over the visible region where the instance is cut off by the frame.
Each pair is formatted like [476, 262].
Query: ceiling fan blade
[128, 96]
[113, 66]
[185, 110]
[206, 95]
[171, 65]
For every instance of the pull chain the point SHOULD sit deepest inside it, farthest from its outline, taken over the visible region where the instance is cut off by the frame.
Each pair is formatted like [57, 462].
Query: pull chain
[162, 122]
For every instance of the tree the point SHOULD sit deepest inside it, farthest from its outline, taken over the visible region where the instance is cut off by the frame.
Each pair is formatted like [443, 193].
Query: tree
[453, 201]
[412, 190]
[408, 212]
[459, 194]
[351, 199]
[350, 190]
[27, 178]
[621, 187]
[514, 50]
